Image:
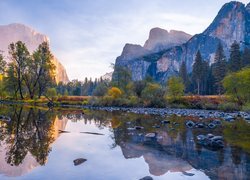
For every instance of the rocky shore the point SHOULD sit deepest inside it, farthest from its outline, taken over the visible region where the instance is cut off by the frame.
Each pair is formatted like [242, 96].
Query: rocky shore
[228, 116]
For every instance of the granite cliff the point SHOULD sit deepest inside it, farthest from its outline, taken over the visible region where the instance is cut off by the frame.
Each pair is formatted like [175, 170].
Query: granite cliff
[164, 55]
[19, 32]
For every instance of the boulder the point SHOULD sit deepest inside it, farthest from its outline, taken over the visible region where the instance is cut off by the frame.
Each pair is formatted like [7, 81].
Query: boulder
[247, 118]
[139, 127]
[229, 118]
[147, 178]
[150, 135]
[165, 122]
[200, 125]
[216, 122]
[190, 124]
[210, 141]
[156, 126]
[211, 125]
[79, 161]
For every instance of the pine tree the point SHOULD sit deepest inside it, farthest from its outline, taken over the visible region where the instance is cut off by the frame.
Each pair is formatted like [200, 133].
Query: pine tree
[204, 77]
[235, 58]
[219, 69]
[2, 64]
[197, 70]
[184, 75]
[246, 57]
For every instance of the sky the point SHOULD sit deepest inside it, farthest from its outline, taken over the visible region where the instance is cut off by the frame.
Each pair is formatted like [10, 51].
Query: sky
[87, 35]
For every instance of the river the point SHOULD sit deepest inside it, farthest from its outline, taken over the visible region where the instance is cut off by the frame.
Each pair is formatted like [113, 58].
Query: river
[38, 143]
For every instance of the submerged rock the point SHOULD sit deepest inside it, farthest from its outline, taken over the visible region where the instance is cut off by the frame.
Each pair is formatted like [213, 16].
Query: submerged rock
[79, 161]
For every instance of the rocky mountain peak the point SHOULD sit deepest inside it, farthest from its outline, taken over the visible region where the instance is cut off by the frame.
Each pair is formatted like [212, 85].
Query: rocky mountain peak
[229, 24]
[160, 39]
[131, 51]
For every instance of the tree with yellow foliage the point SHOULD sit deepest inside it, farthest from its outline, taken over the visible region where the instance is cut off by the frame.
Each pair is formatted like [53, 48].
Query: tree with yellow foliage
[115, 92]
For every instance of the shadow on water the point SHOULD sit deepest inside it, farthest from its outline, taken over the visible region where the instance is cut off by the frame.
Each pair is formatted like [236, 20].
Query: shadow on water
[26, 141]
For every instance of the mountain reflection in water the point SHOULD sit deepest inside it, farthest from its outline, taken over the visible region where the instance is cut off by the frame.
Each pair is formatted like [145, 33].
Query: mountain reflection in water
[27, 140]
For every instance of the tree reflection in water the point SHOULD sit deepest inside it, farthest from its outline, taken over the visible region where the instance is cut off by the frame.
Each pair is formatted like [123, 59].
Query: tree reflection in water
[30, 130]
[34, 130]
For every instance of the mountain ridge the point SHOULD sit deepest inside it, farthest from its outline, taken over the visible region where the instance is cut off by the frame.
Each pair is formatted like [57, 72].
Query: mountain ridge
[232, 23]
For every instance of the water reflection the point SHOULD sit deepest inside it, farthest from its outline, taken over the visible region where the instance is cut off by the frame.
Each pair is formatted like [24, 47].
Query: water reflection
[26, 142]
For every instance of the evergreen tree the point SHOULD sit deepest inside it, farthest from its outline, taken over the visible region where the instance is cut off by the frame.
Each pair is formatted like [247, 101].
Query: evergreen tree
[246, 57]
[121, 77]
[2, 64]
[219, 69]
[235, 58]
[184, 75]
[204, 78]
[197, 71]
[211, 81]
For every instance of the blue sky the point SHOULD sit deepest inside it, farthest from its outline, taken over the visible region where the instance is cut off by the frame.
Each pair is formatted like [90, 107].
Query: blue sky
[88, 35]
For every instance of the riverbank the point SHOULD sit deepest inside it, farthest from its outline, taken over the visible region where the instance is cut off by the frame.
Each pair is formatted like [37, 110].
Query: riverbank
[201, 113]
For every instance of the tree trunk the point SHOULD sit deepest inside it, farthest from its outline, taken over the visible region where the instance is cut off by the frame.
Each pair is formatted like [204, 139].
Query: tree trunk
[198, 88]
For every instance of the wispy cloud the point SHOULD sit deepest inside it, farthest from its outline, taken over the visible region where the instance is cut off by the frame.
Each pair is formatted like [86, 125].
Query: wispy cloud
[88, 35]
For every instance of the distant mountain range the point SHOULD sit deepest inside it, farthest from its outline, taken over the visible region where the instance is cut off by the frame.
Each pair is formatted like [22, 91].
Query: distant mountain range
[164, 51]
[19, 32]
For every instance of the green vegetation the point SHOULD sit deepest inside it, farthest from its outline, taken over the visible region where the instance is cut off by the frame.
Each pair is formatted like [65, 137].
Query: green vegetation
[30, 78]
[27, 76]
[237, 85]
[237, 134]
[175, 89]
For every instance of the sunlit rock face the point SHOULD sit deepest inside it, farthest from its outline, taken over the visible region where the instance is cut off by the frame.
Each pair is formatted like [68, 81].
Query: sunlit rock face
[170, 49]
[160, 39]
[19, 32]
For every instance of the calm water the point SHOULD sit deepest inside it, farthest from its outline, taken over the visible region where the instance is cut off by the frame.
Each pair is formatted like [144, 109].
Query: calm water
[33, 146]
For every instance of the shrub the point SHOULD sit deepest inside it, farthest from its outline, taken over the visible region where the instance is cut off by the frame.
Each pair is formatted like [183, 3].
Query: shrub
[246, 107]
[114, 92]
[228, 107]
[237, 85]
[175, 89]
[152, 95]
[51, 93]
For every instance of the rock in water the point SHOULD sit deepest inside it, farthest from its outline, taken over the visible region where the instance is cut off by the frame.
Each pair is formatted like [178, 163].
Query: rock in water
[147, 178]
[79, 161]
[190, 124]
[150, 135]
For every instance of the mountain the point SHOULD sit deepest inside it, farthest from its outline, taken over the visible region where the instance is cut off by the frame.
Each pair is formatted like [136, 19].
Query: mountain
[19, 32]
[107, 76]
[160, 39]
[232, 23]
[133, 55]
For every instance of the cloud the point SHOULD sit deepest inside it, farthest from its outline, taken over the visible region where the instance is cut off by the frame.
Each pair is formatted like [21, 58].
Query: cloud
[88, 35]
